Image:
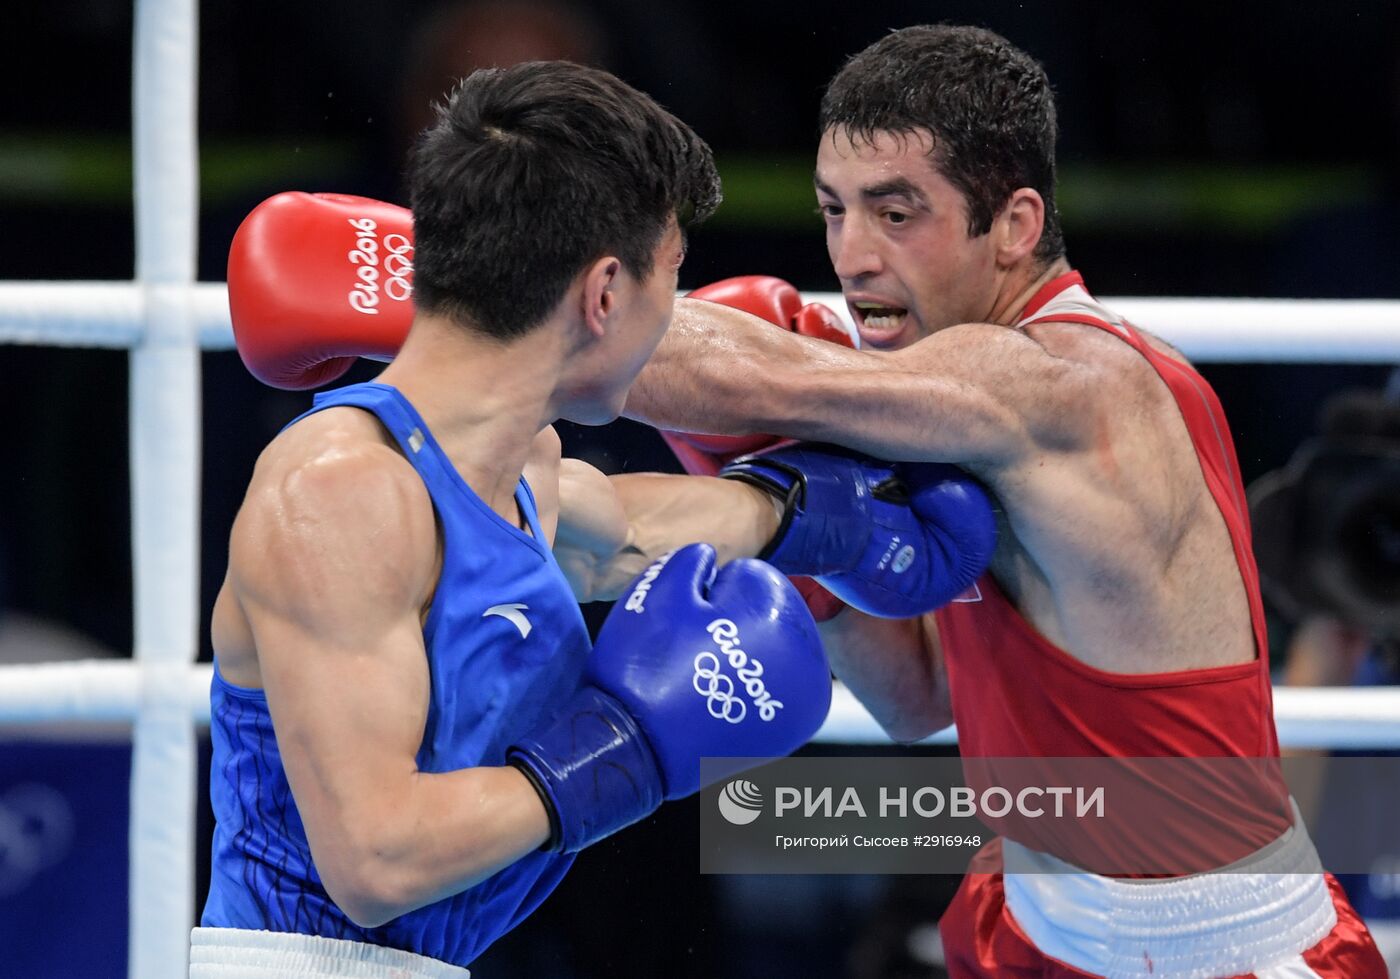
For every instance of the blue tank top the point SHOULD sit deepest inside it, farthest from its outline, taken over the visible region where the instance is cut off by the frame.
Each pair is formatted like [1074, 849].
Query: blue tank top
[506, 644]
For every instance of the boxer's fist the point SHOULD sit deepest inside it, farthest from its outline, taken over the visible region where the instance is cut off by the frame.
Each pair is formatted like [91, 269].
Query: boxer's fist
[891, 540]
[316, 280]
[823, 323]
[714, 662]
[693, 662]
[779, 303]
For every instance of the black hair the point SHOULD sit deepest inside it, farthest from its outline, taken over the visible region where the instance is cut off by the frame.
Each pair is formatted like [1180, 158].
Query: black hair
[987, 104]
[533, 171]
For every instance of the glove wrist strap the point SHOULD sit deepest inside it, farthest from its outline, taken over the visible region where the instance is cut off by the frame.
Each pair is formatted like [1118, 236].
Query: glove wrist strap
[551, 845]
[785, 485]
[593, 768]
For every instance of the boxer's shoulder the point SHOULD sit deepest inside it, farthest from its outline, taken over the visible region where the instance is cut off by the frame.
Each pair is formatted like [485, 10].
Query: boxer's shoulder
[1120, 379]
[545, 452]
[1110, 348]
[543, 474]
[330, 446]
[1101, 350]
[322, 495]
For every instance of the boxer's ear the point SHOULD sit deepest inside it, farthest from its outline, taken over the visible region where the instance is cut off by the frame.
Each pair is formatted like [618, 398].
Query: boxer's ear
[599, 296]
[1019, 225]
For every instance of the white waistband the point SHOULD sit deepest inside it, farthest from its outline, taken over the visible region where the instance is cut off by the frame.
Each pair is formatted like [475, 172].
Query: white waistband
[236, 953]
[1270, 906]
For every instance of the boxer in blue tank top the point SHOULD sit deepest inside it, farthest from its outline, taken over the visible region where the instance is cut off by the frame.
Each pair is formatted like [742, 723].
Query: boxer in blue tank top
[393, 623]
[505, 644]
[411, 735]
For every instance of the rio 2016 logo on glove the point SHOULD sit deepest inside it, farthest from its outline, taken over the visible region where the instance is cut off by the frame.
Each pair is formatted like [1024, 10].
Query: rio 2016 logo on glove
[397, 266]
[717, 688]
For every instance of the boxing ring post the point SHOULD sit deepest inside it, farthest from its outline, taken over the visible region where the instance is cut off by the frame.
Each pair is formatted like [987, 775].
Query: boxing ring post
[164, 445]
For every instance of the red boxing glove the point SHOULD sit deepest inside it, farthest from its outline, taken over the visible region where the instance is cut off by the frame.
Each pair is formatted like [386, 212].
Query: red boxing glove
[316, 280]
[779, 303]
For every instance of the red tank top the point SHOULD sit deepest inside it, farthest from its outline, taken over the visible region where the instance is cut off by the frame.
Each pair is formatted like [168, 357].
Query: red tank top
[1016, 694]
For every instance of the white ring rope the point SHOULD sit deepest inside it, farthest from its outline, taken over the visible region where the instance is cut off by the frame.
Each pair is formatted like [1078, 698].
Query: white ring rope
[1361, 331]
[106, 690]
[104, 314]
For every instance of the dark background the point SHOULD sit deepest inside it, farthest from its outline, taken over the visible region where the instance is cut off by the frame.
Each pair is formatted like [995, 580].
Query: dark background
[1240, 149]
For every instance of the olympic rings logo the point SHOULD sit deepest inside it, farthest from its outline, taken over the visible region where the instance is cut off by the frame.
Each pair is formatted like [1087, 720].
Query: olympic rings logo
[717, 689]
[398, 263]
[396, 266]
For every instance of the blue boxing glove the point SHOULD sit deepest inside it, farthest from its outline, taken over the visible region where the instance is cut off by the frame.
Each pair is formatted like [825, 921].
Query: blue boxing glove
[891, 539]
[696, 661]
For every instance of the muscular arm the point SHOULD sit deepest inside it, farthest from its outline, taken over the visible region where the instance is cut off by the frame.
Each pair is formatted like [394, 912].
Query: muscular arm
[331, 562]
[975, 393]
[612, 527]
[895, 668]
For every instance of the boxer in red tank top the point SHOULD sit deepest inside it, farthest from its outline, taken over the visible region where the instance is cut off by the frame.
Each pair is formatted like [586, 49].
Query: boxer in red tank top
[1121, 614]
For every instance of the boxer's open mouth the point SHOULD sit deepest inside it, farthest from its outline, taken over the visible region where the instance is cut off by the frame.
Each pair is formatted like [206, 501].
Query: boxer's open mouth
[878, 322]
